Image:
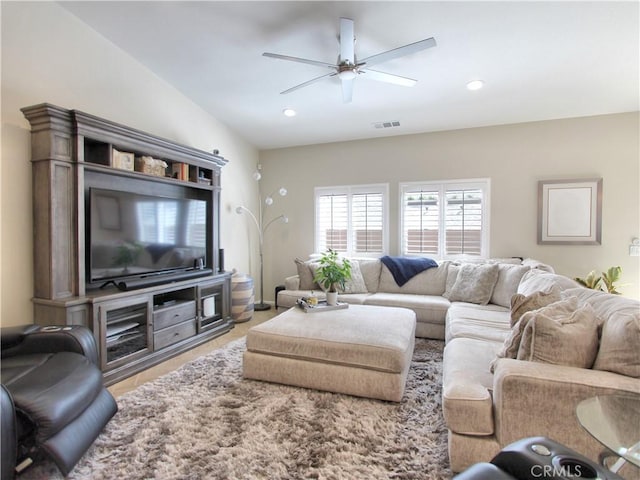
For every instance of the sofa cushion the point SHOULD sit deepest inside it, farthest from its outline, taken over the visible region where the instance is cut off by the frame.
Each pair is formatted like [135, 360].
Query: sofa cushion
[429, 282]
[292, 283]
[306, 275]
[466, 386]
[483, 322]
[428, 308]
[536, 280]
[289, 298]
[509, 277]
[563, 333]
[533, 263]
[370, 269]
[475, 283]
[404, 269]
[353, 298]
[620, 337]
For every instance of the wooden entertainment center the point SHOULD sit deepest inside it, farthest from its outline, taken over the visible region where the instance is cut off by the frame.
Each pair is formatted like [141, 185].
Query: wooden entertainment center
[147, 319]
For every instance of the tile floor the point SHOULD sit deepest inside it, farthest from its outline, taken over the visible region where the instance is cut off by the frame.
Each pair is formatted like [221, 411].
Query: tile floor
[171, 364]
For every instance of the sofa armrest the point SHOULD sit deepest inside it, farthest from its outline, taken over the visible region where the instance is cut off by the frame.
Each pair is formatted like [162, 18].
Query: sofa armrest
[532, 398]
[9, 435]
[292, 283]
[49, 339]
[12, 336]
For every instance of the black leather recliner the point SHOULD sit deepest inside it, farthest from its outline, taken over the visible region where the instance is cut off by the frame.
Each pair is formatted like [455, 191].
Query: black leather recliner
[53, 399]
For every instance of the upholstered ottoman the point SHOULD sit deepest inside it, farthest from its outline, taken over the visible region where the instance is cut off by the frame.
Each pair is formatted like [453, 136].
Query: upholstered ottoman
[362, 350]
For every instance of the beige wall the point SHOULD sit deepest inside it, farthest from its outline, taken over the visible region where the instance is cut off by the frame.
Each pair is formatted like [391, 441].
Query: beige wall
[514, 157]
[50, 56]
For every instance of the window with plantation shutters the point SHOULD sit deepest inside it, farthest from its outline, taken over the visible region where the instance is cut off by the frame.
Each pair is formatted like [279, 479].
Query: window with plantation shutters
[445, 219]
[352, 219]
[332, 222]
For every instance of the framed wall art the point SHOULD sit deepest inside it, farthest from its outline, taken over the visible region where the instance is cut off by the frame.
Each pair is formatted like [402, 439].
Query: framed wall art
[570, 211]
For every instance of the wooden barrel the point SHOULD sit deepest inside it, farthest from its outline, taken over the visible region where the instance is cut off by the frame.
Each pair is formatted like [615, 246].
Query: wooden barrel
[242, 297]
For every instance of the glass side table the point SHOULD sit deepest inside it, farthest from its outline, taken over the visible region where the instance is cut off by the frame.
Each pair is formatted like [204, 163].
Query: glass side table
[614, 421]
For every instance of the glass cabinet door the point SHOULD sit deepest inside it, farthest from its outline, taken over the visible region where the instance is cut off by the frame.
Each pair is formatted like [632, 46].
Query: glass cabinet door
[125, 330]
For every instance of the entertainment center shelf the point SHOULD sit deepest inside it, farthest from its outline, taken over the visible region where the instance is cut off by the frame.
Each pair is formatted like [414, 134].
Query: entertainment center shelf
[100, 155]
[114, 206]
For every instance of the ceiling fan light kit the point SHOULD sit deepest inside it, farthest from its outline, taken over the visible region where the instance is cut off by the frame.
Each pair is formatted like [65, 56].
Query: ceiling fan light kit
[348, 67]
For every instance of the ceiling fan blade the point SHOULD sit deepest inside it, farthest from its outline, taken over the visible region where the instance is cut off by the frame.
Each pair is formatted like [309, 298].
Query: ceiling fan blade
[398, 52]
[347, 90]
[308, 82]
[387, 77]
[297, 59]
[347, 41]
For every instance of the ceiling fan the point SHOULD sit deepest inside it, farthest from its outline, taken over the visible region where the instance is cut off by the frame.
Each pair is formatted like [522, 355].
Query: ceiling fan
[349, 67]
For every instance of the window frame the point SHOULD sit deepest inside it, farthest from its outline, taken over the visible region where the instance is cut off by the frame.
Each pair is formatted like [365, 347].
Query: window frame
[350, 191]
[442, 186]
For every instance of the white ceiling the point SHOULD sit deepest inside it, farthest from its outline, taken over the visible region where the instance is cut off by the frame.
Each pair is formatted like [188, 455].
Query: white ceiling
[539, 60]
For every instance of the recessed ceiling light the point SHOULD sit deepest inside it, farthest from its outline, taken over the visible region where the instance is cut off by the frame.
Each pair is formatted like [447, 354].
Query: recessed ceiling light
[289, 112]
[475, 85]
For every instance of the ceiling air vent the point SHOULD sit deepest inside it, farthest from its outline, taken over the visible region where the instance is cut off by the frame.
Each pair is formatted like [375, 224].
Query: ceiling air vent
[394, 123]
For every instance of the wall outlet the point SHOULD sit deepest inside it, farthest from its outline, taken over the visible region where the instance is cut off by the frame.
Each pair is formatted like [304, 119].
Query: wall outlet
[634, 250]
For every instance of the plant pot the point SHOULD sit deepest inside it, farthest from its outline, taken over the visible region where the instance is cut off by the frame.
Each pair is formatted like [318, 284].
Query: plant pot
[332, 298]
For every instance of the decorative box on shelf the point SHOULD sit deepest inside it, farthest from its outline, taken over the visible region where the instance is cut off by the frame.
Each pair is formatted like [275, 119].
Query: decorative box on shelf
[321, 306]
[150, 165]
[122, 160]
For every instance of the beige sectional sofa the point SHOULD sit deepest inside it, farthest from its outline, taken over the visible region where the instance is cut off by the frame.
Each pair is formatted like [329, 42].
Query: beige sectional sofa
[507, 378]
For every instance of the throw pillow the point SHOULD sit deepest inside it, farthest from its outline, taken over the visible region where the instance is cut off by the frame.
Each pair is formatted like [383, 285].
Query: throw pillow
[306, 275]
[356, 283]
[474, 283]
[509, 277]
[512, 342]
[563, 333]
[521, 304]
[619, 345]
[313, 267]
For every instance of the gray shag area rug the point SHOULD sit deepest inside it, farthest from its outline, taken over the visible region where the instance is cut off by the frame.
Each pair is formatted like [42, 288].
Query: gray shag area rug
[204, 421]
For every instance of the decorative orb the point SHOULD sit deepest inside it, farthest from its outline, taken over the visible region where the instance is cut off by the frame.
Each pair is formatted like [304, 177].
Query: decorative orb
[257, 175]
[268, 201]
[282, 191]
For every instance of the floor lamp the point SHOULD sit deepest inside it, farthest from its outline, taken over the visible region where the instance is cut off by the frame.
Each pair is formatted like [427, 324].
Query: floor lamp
[262, 228]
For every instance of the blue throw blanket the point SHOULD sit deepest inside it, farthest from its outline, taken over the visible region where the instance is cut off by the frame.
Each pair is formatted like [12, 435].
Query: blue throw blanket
[404, 269]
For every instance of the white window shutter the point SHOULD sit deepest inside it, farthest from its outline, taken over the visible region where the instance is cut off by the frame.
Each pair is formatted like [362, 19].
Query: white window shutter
[445, 219]
[421, 221]
[367, 215]
[332, 222]
[464, 222]
[352, 219]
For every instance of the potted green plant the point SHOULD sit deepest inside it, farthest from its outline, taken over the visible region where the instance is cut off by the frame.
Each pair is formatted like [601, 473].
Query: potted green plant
[605, 282]
[332, 272]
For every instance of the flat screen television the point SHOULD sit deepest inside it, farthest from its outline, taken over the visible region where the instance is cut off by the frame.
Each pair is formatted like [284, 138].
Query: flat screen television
[135, 236]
